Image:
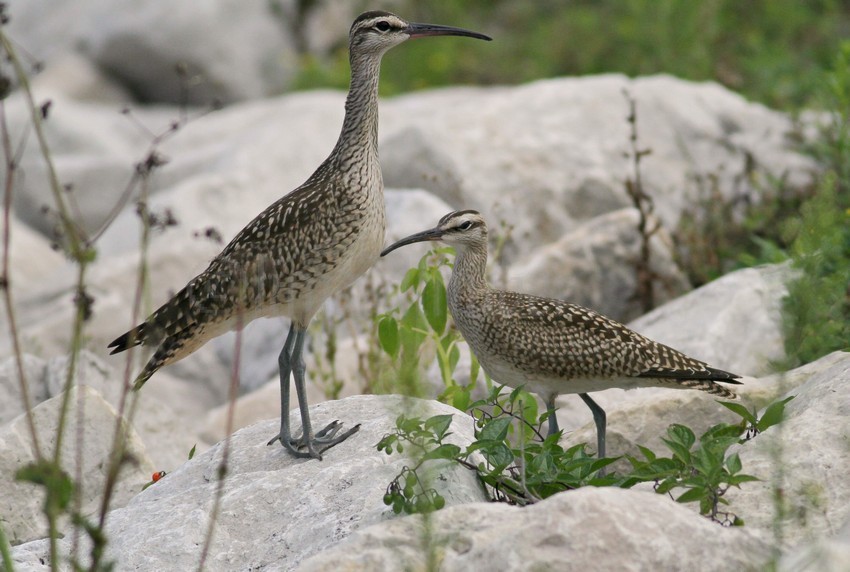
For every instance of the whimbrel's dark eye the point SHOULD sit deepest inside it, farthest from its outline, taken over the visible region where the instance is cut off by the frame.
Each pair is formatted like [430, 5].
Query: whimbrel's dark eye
[383, 26]
[465, 225]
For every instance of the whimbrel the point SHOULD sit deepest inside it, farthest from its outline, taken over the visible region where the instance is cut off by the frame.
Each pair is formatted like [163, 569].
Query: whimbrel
[551, 346]
[302, 249]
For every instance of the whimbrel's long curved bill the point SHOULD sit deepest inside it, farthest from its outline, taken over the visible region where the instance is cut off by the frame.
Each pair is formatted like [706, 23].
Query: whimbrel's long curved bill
[415, 30]
[425, 235]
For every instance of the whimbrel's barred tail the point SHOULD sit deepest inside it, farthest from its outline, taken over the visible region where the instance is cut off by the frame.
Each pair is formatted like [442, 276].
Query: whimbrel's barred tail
[302, 249]
[550, 346]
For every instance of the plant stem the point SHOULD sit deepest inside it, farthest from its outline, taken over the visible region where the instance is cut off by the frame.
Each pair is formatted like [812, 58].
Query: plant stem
[5, 277]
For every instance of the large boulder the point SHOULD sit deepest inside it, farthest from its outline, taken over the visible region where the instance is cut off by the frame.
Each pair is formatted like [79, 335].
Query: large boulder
[230, 50]
[85, 452]
[546, 155]
[599, 260]
[751, 296]
[586, 529]
[276, 510]
[161, 417]
[803, 462]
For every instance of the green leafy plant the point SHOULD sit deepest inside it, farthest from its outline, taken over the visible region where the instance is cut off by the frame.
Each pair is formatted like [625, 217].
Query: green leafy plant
[423, 329]
[701, 468]
[518, 465]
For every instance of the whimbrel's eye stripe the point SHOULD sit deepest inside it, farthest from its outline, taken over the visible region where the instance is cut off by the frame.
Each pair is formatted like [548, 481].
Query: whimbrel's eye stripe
[457, 214]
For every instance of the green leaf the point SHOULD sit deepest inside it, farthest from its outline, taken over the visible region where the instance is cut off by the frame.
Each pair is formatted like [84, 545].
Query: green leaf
[439, 424]
[412, 326]
[409, 424]
[666, 485]
[410, 280]
[722, 433]
[691, 495]
[192, 451]
[497, 454]
[682, 435]
[739, 410]
[602, 463]
[444, 451]
[461, 396]
[495, 429]
[679, 451]
[434, 303]
[733, 463]
[773, 414]
[388, 335]
[454, 356]
[735, 480]
[650, 456]
[474, 367]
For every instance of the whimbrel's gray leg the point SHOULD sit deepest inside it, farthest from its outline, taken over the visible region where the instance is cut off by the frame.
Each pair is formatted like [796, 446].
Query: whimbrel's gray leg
[601, 422]
[291, 361]
[553, 420]
[326, 437]
[284, 362]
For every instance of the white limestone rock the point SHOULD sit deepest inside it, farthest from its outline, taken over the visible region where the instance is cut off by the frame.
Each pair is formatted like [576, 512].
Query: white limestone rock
[546, 155]
[585, 529]
[33, 264]
[717, 313]
[71, 75]
[276, 510]
[825, 554]
[21, 503]
[11, 400]
[232, 50]
[94, 150]
[807, 456]
[167, 416]
[595, 266]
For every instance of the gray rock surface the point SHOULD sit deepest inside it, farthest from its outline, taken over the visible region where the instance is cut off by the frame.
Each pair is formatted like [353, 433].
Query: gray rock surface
[232, 50]
[599, 260]
[807, 456]
[751, 297]
[21, 503]
[31, 260]
[276, 510]
[586, 529]
[546, 155]
[825, 554]
[162, 417]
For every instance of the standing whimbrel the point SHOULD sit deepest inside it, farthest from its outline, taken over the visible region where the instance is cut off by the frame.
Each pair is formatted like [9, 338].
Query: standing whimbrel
[550, 346]
[302, 249]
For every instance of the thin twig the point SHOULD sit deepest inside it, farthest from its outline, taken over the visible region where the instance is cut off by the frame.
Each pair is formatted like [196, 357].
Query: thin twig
[645, 288]
[6, 279]
[74, 235]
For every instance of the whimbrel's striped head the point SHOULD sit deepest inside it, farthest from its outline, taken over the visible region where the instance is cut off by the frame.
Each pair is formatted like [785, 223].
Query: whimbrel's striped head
[378, 31]
[461, 229]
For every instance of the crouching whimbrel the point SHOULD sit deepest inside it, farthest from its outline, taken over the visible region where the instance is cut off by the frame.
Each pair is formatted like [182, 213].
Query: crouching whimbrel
[302, 249]
[550, 346]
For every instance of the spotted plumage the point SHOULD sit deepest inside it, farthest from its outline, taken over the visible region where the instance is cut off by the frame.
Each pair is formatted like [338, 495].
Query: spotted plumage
[550, 346]
[302, 249]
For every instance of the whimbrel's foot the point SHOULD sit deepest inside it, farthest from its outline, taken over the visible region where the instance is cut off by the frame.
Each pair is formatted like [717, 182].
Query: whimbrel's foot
[323, 440]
